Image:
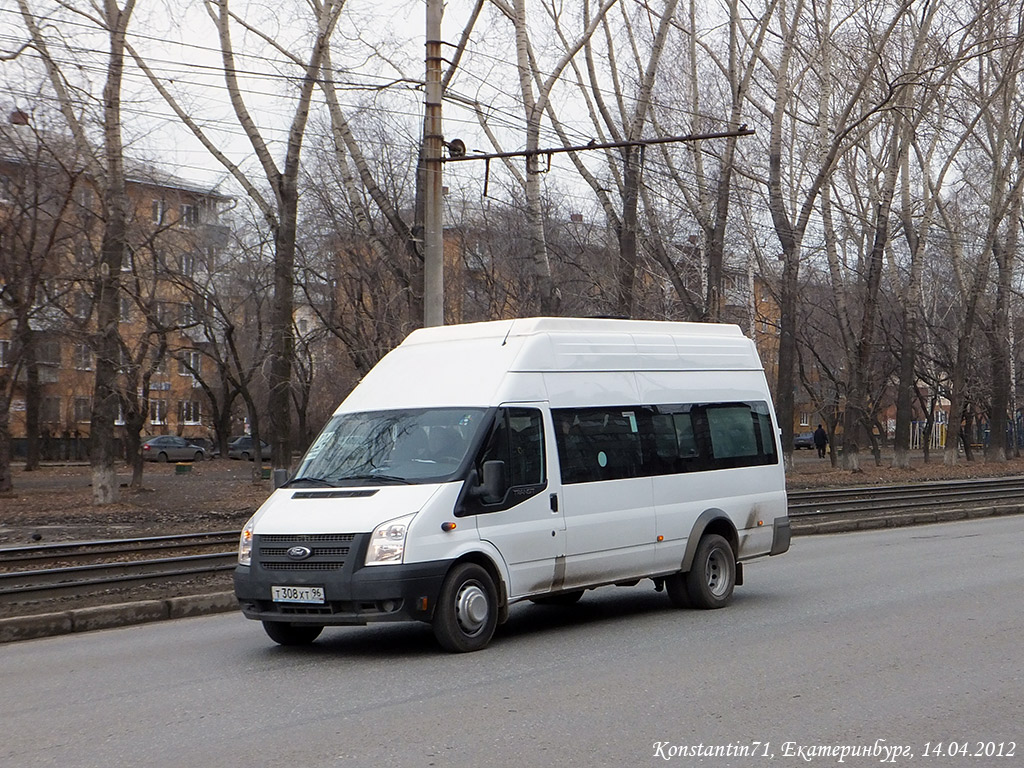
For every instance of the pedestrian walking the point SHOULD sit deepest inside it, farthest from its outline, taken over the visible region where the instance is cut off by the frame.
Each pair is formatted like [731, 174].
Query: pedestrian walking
[820, 441]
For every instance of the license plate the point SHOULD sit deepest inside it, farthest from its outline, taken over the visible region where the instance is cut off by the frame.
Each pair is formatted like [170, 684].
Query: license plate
[297, 594]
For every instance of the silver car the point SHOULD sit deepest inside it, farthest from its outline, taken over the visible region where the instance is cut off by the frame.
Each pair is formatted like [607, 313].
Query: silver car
[171, 448]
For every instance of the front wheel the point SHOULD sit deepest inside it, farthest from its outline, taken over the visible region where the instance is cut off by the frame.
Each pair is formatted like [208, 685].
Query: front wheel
[283, 633]
[198, 456]
[467, 609]
[712, 575]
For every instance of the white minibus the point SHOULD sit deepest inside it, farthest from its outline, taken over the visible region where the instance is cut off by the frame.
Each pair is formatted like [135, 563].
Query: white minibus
[481, 465]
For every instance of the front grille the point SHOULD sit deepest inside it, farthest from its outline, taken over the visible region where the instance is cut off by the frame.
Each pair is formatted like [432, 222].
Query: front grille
[289, 566]
[328, 551]
[319, 551]
[305, 538]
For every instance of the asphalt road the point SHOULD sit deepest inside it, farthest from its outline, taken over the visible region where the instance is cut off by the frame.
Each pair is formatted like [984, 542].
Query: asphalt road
[886, 641]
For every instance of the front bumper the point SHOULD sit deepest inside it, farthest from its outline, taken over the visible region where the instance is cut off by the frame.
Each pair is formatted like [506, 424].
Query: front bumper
[354, 593]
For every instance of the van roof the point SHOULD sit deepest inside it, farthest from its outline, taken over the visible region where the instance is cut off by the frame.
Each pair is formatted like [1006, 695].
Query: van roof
[470, 364]
[604, 344]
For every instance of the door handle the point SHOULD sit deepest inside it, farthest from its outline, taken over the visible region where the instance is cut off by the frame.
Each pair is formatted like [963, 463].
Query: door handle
[553, 498]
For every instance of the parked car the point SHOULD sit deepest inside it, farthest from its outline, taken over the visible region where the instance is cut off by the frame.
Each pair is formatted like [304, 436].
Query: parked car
[171, 448]
[803, 440]
[211, 448]
[242, 448]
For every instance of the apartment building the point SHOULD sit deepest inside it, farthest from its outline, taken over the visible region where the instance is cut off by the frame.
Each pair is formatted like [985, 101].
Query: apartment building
[50, 237]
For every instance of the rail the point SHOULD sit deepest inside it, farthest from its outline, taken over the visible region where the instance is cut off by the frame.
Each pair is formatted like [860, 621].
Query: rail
[944, 495]
[63, 569]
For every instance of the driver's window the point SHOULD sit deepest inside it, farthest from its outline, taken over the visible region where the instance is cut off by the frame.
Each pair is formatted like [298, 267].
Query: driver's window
[518, 440]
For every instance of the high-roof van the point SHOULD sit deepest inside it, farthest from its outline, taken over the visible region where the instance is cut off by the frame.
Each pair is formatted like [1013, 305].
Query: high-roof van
[481, 465]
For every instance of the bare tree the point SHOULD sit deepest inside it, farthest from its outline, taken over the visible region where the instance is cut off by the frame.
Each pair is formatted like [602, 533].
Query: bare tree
[36, 228]
[280, 209]
[105, 167]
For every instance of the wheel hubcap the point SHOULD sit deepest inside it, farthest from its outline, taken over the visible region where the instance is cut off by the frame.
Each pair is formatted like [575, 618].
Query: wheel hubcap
[717, 573]
[471, 608]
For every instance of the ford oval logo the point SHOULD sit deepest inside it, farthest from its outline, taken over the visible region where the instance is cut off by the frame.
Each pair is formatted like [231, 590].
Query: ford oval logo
[299, 553]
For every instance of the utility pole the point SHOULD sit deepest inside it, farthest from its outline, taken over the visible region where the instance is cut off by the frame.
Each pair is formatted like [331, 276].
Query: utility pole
[433, 142]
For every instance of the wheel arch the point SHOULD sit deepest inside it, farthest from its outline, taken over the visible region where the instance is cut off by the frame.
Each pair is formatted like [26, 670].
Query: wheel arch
[710, 521]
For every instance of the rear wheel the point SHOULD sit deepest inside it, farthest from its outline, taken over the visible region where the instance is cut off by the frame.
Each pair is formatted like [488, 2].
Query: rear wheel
[712, 576]
[283, 633]
[245, 456]
[198, 456]
[467, 609]
[162, 457]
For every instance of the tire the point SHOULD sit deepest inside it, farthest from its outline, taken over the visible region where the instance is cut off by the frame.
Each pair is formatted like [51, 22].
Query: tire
[198, 456]
[467, 609]
[712, 575]
[563, 599]
[245, 457]
[162, 457]
[675, 587]
[283, 633]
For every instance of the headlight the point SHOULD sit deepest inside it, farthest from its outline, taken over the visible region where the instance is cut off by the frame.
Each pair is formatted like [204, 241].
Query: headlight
[245, 544]
[387, 543]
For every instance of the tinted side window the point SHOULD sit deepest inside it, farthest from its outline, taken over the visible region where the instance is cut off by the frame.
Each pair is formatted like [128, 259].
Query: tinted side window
[600, 443]
[518, 440]
[644, 441]
[732, 432]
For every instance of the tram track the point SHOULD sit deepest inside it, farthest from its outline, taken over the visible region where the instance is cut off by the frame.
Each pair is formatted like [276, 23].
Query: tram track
[854, 508]
[71, 570]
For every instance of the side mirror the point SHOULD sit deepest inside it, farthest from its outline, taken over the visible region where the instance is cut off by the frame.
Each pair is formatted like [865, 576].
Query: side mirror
[494, 484]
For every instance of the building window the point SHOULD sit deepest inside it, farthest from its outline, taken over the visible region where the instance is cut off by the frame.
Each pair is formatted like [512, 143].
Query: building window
[119, 421]
[49, 410]
[85, 197]
[158, 210]
[189, 316]
[48, 353]
[187, 263]
[157, 411]
[83, 306]
[83, 253]
[190, 363]
[805, 419]
[83, 409]
[190, 215]
[5, 353]
[126, 309]
[190, 412]
[163, 314]
[83, 358]
[303, 326]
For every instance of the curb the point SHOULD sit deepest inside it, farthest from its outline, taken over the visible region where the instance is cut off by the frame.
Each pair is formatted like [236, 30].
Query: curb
[811, 525]
[117, 615]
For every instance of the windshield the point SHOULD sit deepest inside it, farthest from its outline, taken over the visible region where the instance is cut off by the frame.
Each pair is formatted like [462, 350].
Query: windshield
[399, 446]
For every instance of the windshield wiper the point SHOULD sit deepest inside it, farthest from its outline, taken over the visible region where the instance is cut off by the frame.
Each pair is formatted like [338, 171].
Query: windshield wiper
[377, 478]
[316, 480]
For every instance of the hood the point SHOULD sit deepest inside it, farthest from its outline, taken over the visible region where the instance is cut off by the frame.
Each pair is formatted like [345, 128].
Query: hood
[356, 509]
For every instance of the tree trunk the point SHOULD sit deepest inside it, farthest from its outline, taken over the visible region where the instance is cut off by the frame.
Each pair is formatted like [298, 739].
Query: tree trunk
[6, 482]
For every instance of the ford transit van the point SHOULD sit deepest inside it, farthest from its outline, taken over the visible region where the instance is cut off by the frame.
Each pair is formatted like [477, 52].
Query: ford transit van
[481, 465]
